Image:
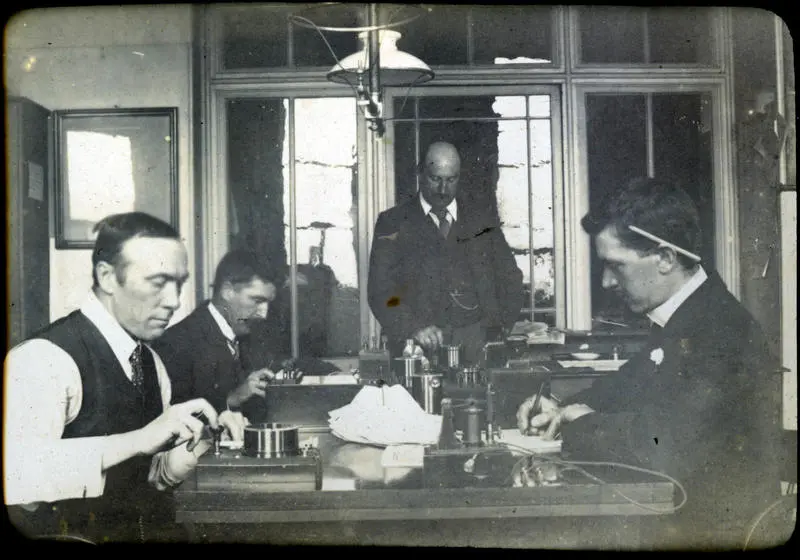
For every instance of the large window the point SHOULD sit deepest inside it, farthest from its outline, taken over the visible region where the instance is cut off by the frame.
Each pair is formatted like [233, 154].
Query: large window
[292, 198]
[507, 144]
[665, 135]
[294, 173]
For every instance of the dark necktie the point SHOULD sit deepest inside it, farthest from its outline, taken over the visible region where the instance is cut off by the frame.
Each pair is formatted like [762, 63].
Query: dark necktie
[656, 334]
[444, 224]
[141, 363]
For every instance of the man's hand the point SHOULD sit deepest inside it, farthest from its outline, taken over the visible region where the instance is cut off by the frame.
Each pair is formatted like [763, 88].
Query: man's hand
[550, 417]
[234, 424]
[255, 384]
[429, 337]
[546, 411]
[179, 424]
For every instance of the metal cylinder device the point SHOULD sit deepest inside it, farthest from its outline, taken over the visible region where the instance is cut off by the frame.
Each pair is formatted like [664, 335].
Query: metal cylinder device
[451, 355]
[405, 368]
[473, 424]
[267, 440]
[427, 391]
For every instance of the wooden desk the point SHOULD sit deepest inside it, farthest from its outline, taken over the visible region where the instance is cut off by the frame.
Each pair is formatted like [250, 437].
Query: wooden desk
[390, 507]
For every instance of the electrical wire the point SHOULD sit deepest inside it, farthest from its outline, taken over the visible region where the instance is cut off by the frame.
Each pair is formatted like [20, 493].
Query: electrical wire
[763, 514]
[296, 18]
[327, 44]
[574, 465]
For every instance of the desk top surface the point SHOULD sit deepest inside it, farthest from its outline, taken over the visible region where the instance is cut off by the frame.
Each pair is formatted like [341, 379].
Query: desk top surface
[355, 486]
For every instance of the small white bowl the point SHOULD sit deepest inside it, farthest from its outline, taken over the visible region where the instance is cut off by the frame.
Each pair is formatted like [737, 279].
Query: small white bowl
[585, 355]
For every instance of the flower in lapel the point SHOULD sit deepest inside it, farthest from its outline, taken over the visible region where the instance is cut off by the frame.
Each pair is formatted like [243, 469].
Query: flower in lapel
[657, 356]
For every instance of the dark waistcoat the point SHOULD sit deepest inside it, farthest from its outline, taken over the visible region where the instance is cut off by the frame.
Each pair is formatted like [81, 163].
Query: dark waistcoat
[111, 404]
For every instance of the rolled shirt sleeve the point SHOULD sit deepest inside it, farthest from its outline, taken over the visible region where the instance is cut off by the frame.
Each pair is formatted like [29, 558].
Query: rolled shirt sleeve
[42, 396]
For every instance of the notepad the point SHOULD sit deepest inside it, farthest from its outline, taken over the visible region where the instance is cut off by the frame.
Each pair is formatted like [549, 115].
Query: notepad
[531, 444]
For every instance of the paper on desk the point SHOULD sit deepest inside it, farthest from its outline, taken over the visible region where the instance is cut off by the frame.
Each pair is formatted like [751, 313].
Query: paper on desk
[533, 444]
[384, 416]
[403, 456]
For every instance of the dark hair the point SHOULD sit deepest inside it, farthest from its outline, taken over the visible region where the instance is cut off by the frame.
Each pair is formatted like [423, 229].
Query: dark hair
[115, 230]
[654, 205]
[239, 267]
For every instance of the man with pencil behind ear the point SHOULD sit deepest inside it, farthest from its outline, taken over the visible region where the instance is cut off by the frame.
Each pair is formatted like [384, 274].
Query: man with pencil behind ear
[699, 402]
[91, 444]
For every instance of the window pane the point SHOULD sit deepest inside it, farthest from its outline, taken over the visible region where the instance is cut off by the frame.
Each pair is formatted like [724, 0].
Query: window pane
[527, 34]
[616, 152]
[682, 149]
[680, 35]
[326, 217]
[498, 170]
[611, 34]
[257, 182]
[439, 37]
[254, 37]
[327, 226]
[541, 169]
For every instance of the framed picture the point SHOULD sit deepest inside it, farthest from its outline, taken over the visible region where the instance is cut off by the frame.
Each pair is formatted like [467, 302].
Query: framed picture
[109, 161]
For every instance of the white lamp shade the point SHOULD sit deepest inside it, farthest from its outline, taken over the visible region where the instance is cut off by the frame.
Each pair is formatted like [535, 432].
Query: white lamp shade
[398, 68]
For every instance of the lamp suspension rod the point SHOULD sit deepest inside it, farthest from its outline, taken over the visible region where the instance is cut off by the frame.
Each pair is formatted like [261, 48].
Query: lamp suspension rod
[374, 56]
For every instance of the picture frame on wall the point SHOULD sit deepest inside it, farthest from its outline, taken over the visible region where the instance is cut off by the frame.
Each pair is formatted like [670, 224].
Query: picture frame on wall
[109, 161]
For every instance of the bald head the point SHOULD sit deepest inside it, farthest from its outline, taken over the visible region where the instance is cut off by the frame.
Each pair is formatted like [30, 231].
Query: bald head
[441, 172]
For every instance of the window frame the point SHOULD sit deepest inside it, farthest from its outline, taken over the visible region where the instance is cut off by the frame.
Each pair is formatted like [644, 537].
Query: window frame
[726, 218]
[215, 208]
[388, 186]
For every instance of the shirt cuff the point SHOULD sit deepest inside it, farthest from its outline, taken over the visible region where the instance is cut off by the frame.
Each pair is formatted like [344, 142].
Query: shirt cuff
[50, 471]
[170, 468]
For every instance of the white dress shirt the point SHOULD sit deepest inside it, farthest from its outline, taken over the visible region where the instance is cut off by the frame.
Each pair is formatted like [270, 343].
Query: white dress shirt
[43, 395]
[222, 323]
[452, 210]
[661, 314]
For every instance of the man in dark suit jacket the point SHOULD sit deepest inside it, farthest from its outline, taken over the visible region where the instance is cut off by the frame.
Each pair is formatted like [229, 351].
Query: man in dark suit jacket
[441, 271]
[701, 401]
[202, 353]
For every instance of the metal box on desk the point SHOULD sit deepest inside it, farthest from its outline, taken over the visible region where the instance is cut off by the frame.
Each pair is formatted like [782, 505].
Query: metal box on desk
[233, 471]
[306, 405]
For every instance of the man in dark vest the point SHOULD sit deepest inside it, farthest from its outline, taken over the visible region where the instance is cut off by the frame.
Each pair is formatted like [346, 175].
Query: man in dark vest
[204, 352]
[441, 270]
[701, 401]
[91, 443]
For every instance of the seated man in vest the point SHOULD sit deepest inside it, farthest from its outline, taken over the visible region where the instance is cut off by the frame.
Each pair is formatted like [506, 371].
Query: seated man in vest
[699, 402]
[204, 352]
[91, 443]
[441, 271]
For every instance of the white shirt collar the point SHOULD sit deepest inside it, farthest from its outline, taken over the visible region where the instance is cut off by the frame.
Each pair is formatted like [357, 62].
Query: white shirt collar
[121, 343]
[452, 209]
[661, 314]
[221, 322]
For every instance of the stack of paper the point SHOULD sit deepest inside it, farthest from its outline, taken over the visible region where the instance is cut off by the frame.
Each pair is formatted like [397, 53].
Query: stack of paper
[385, 416]
[520, 444]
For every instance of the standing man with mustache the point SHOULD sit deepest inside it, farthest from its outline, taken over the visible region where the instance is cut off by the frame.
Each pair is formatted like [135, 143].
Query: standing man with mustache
[91, 445]
[441, 271]
[203, 352]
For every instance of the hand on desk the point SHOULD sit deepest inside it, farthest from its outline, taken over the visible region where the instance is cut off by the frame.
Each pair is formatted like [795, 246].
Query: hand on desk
[430, 337]
[548, 418]
[255, 384]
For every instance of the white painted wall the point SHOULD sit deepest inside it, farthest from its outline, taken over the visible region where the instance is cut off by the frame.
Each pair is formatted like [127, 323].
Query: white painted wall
[106, 57]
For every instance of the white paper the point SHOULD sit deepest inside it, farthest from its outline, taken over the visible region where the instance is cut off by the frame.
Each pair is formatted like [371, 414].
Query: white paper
[532, 444]
[385, 416]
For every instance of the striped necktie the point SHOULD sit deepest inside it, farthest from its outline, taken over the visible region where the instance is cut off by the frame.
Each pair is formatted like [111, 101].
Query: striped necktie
[139, 356]
[444, 223]
[233, 345]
